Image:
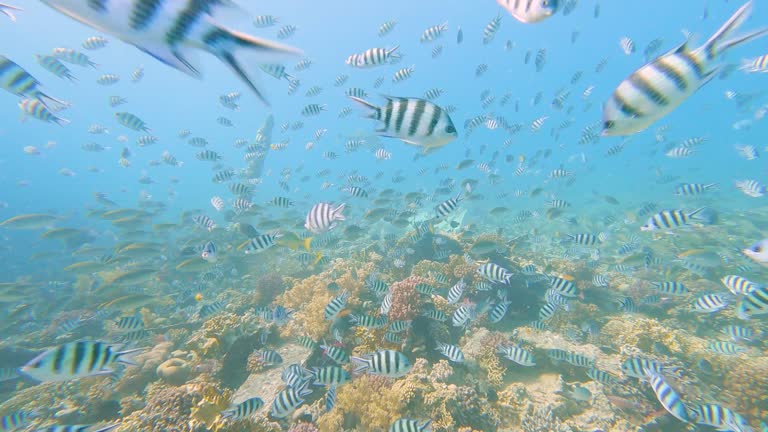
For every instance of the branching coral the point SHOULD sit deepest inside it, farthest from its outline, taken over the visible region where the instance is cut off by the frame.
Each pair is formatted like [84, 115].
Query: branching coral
[405, 299]
[481, 347]
[642, 333]
[542, 420]
[308, 298]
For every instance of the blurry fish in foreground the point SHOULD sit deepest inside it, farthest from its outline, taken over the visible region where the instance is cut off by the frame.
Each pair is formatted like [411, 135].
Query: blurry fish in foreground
[17, 81]
[170, 29]
[414, 121]
[530, 11]
[656, 89]
[758, 252]
[7, 9]
[75, 360]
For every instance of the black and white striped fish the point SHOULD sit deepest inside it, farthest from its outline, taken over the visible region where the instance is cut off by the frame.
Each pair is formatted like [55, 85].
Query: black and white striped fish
[667, 219]
[169, 30]
[414, 121]
[244, 409]
[288, 400]
[667, 396]
[452, 352]
[530, 11]
[388, 363]
[322, 217]
[376, 57]
[656, 89]
[75, 360]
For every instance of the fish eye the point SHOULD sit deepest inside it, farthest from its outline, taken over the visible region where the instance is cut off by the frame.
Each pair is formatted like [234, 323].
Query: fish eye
[757, 249]
[608, 124]
[450, 129]
[545, 3]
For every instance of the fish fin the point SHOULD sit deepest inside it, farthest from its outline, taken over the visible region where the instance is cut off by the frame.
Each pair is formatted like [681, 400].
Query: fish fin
[8, 13]
[307, 243]
[715, 42]
[375, 110]
[52, 103]
[337, 212]
[742, 39]
[241, 52]
[318, 257]
[172, 58]
[129, 361]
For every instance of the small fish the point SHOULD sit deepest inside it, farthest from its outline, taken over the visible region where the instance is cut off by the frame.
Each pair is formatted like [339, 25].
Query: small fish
[431, 128]
[387, 363]
[530, 11]
[244, 409]
[323, 217]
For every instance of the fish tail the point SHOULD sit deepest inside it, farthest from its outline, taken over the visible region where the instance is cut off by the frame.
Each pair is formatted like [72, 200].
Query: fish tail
[243, 52]
[308, 243]
[51, 102]
[694, 214]
[318, 257]
[717, 42]
[60, 121]
[375, 110]
[121, 356]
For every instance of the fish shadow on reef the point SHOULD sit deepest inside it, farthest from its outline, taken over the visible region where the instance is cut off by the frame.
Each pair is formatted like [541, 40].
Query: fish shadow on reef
[234, 368]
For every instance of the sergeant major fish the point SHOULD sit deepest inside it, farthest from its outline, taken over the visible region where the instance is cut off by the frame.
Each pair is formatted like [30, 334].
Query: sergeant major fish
[656, 89]
[169, 29]
[530, 11]
[414, 121]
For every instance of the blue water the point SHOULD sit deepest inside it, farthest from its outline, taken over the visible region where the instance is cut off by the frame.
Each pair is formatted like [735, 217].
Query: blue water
[328, 32]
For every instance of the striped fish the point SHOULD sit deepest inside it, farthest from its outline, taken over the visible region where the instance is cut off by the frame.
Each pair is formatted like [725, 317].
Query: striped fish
[74, 57]
[710, 303]
[720, 417]
[75, 360]
[516, 354]
[376, 56]
[287, 401]
[530, 11]
[16, 420]
[169, 30]
[322, 217]
[336, 354]
[452, 352]
[335, 306]
[409, 425]
[656, 89]
[388, 363]
[15, 80]
[668, 397]
[489, 32]
[36, 109]
[331, 375]
[261, 242]
[671, 287]
[77, 428]
[414, 121]
[456, 291]
[244, 409]
[494, 273]
[689, 189]
[668, 219]
[434, 32]
[54, 66]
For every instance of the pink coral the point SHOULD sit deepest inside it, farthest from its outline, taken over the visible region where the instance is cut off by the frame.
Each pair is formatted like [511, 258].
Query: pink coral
[405, 299]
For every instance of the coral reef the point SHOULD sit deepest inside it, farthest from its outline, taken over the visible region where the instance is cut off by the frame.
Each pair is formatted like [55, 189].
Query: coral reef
[480, 347]
[170, 407]
[174, 371]
[136, 378]
[542, 420]
[460, 268]
[405, 300]
[308, 298]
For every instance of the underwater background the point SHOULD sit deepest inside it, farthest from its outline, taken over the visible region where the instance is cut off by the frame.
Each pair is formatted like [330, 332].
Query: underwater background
[527, 274]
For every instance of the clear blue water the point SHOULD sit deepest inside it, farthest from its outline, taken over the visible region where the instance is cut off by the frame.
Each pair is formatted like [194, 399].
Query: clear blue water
[328, 32]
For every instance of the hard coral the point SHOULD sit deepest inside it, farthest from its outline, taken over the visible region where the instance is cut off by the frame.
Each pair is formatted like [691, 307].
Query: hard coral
[405, 299]
[308, 298]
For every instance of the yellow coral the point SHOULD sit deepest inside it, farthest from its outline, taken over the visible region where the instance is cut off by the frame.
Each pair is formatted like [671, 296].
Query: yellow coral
[308, 298]
[641, 332]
